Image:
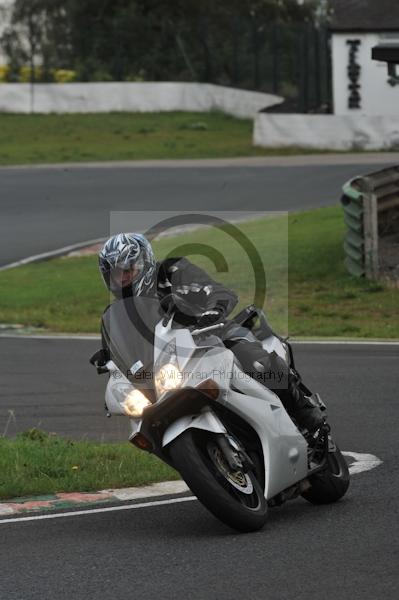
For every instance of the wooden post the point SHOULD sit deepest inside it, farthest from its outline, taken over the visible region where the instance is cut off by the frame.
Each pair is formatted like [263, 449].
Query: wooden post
[370, 228]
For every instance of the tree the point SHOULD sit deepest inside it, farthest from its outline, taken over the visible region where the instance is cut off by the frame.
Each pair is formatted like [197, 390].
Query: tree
[199, 40]
[37, 37]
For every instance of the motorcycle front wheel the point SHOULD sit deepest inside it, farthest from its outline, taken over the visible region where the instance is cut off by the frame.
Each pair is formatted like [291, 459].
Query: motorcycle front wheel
[235, 497]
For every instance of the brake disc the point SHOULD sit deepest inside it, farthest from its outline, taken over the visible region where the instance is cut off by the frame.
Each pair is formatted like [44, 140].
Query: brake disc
[238, 479]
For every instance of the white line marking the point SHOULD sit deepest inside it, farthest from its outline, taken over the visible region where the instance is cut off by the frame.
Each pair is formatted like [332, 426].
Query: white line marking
[363, 462]
[329, 160]
[52, 253]
[99, 510]
[253, 216]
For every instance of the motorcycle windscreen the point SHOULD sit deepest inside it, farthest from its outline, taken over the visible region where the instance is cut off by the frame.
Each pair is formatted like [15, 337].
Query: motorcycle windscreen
[128, 327]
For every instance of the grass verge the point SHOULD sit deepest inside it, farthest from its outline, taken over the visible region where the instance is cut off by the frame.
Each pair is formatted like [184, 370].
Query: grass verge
[29, 139]
[321, 298]
[36, 463]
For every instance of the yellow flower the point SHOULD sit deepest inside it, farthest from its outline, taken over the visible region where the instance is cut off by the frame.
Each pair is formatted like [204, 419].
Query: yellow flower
[64, 75]
[3, 73]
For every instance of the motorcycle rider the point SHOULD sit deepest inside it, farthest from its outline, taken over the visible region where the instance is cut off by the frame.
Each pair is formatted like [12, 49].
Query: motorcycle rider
[128, 267]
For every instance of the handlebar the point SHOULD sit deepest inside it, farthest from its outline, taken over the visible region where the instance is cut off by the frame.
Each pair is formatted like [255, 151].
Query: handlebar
[208, 328]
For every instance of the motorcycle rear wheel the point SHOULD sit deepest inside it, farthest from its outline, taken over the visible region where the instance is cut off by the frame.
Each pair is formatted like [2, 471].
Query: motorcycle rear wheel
[330, 484]
[235, 498]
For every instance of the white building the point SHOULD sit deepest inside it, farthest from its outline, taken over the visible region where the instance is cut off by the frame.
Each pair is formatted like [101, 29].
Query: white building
[365, 96]
[361, 85]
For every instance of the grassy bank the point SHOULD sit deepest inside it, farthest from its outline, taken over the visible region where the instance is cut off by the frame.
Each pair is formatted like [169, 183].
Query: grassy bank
[36, 463]
[322, 299]
[28, 139]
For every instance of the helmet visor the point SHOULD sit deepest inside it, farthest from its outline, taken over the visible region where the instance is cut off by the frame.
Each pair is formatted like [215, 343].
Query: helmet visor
[123, 277]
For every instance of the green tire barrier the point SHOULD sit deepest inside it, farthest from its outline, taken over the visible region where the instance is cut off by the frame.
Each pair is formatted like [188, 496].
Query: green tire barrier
[352, 202]
[371, 213]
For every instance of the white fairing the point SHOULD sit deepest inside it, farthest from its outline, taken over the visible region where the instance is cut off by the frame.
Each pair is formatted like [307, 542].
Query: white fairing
[284, 448]
[117, 381]
[207, 421]
[273, 343]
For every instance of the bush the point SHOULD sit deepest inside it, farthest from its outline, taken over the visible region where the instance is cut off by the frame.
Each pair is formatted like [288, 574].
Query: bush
[25, 74]
[138, 77]
[64, 76]
[34, 435]
[3, 73]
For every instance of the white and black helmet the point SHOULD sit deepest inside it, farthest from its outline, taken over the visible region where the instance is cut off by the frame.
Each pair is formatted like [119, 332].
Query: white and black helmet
[127, 264]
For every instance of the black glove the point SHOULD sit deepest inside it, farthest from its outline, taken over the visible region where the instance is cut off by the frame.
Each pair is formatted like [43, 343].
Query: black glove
[211, 316]
[100, 359]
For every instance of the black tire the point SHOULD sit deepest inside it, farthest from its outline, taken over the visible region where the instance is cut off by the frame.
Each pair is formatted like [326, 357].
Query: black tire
[191, 454]
[332, 483]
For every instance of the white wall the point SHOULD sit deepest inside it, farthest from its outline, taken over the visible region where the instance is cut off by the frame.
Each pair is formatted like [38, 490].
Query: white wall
[377, 96]
[142, 97]
[335, 132]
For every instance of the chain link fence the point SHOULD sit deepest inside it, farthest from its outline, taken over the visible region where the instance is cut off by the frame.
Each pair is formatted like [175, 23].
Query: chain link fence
[288, 59]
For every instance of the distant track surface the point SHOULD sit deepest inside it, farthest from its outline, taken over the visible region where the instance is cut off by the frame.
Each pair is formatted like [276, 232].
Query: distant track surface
[46, 208]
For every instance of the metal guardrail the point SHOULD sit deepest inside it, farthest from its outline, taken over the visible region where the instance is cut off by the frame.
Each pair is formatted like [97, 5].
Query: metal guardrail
[371, 212]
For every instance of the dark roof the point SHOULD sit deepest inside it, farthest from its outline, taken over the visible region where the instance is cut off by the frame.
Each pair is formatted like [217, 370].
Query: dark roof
[365, 15]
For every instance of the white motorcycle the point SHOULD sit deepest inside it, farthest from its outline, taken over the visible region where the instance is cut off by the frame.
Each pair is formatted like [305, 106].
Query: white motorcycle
[190, 403]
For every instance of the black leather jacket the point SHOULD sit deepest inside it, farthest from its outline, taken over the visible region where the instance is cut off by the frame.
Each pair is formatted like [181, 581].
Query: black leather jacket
[178, 279]
[182, 279]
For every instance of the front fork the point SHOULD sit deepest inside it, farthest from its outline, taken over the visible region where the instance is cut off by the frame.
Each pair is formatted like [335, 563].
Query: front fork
[235, 455]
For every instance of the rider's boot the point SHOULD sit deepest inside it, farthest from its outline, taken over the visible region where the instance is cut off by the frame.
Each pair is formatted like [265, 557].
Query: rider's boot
[303, 409]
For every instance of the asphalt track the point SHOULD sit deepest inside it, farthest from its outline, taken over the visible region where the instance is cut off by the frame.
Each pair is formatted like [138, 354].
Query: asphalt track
[46, 208]
[49, 383]
[346, 551]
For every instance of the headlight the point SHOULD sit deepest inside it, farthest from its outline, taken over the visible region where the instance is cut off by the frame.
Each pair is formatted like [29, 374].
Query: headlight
[134, 403]
[168, 377]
